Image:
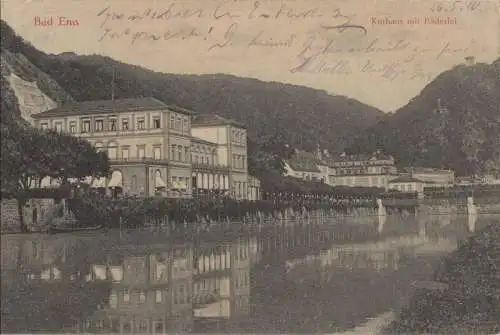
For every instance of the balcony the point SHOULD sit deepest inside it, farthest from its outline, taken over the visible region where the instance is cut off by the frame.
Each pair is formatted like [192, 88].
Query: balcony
[120, 132]
[138, 160]
[202, 167]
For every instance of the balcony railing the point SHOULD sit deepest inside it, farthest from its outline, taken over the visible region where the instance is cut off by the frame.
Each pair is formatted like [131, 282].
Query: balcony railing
[204, 167]
[144, 160]
[153, 160]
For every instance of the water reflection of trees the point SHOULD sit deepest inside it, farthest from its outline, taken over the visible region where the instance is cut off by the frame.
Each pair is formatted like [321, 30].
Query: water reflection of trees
[44, 283]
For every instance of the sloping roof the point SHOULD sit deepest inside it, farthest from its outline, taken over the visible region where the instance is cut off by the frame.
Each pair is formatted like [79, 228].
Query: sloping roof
[214, 120]
[109, 106]
[304, 161]
[361, 157]
[405, 179]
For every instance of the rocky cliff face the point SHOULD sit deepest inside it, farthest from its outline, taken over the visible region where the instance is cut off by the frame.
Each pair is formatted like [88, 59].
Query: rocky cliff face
[26, 89]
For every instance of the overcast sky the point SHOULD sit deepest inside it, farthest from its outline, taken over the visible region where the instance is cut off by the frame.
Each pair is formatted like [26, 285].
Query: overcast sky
[367, 50]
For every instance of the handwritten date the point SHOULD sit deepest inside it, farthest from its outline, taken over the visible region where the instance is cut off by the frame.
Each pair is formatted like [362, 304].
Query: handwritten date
[455, 6]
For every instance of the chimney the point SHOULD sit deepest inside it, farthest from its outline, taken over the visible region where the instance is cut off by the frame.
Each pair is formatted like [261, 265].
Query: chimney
[469, 60]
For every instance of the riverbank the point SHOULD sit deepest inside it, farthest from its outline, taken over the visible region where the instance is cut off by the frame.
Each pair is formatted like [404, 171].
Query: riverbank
[465, 295]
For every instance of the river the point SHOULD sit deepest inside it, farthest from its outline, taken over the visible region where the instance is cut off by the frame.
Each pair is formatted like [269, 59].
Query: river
[346, 275]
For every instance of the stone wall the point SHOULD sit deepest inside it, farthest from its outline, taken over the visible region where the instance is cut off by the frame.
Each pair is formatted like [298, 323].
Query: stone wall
[35, 211]
[9, 216]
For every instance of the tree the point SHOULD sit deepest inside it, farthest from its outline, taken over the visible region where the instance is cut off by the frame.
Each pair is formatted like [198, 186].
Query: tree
[29, 155]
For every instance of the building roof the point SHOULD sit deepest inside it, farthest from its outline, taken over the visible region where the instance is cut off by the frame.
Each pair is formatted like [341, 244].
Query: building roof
[109, 106]
[405, 179]
[359, 158]
[204, 120]
[304, 161]
[201, 141]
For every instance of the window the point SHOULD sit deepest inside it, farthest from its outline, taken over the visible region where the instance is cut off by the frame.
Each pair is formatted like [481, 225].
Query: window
[141, 151]
[72, 127]
[44, 125]
[158, 326]
[142, 296]
[113, 300]
[157, 152]
[158, 296]
[156, 122]
[85, 126]
[112, 124]
[126, 296]
[143, 326]
[141, 124]
[125, 124]
[186, 124]
[172, 152]
[195, 159]
[112, 150]
[181, 294]
[186, 154]
[178, 123]
[125, 152]
[99, 125]
[179, 150]
[171, 121]
[58, 126]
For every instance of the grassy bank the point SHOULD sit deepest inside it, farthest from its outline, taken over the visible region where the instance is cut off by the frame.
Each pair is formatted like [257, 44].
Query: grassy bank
[468, 301]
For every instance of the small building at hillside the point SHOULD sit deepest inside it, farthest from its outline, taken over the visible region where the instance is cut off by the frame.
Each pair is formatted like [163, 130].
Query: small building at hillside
[407, 184]
[305, 165]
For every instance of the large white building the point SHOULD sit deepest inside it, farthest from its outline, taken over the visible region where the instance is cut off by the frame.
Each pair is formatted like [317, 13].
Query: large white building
[159, 149]
[374, 170]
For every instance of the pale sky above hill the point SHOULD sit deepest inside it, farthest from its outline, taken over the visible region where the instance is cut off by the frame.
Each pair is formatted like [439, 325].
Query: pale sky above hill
[364, 49]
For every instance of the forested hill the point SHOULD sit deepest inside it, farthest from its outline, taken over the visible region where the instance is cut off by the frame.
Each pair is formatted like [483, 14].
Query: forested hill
[273, 112]
[464, 134]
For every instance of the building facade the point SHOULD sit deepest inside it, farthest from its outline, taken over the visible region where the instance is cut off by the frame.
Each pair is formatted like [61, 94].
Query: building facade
[374, 170]
[158, 149]
[230, 139]
[408, 184]
[432, 177]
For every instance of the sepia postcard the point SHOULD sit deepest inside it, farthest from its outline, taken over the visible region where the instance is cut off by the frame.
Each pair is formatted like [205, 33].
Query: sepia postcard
[250, 166]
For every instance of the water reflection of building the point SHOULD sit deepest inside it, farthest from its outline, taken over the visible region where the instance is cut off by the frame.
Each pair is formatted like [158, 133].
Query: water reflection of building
[150, 291]
[222, 282]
